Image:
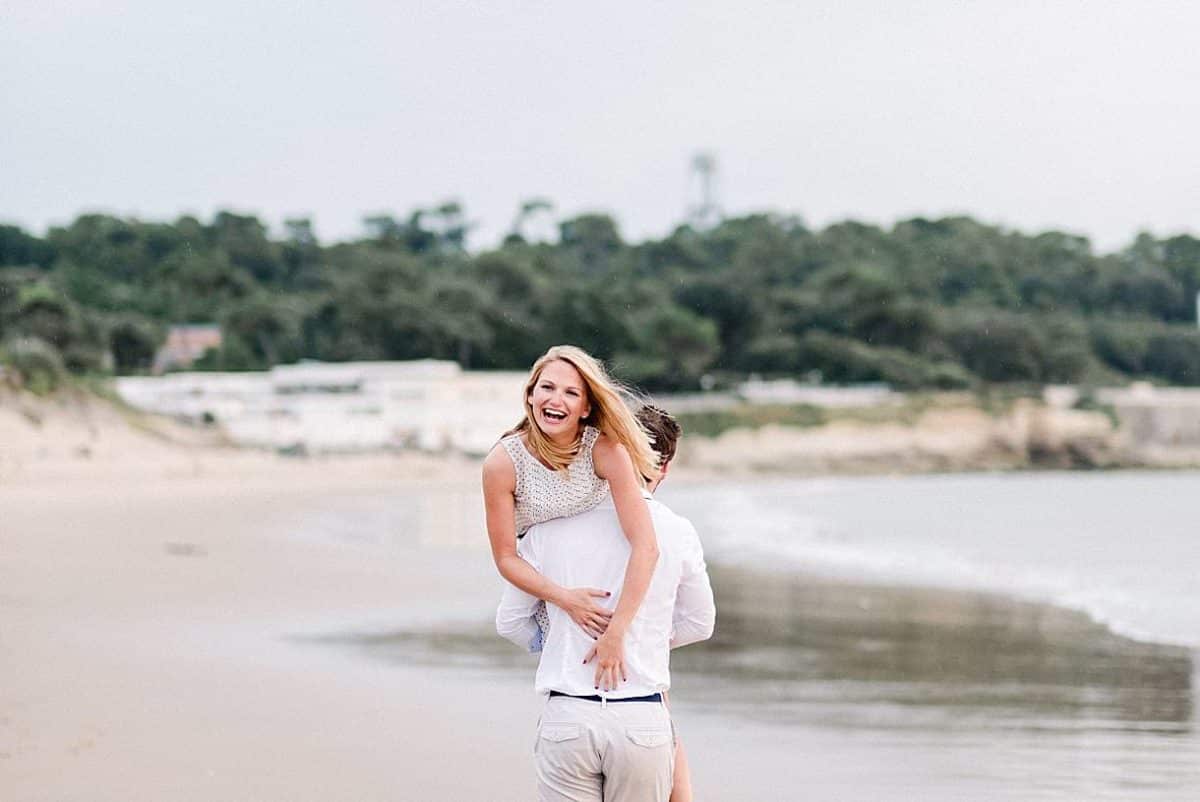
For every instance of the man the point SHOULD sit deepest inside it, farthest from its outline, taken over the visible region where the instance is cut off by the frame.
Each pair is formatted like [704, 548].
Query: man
[593, 744]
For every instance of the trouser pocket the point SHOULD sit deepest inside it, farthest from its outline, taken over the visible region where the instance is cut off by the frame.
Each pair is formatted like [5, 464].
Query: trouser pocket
[556, 733]
[641, 768]
[566, 763]
[650, 737]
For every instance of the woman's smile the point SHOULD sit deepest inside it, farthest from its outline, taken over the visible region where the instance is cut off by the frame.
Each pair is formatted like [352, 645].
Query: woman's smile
[559, 399]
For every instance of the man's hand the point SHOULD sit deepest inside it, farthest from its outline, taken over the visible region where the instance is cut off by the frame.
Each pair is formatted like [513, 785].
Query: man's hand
[609, 654]
[579, 603]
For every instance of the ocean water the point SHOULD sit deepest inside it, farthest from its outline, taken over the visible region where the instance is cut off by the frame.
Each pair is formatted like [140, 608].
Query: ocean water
[1022, 636]
[1001, 637]
[1122, 547]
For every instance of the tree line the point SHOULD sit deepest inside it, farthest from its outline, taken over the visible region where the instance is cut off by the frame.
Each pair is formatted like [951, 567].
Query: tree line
[946, 303]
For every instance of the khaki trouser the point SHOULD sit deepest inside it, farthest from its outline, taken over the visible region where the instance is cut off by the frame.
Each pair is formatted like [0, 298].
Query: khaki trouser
[604, 752]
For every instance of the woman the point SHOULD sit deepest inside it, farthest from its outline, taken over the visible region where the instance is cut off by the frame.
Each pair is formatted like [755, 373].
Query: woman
[577, 444]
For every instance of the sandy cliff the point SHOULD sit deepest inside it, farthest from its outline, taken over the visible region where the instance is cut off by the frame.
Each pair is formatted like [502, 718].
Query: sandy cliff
[1031, 435]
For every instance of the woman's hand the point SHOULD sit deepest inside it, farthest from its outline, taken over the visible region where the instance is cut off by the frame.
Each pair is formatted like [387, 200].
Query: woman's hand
[579, 603]
[609, 654]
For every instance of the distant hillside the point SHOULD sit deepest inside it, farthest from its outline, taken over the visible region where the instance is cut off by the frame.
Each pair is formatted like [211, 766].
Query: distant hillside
[949, 304]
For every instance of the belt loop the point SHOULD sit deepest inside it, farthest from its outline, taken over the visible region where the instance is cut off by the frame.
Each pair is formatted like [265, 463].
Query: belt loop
[603, 702]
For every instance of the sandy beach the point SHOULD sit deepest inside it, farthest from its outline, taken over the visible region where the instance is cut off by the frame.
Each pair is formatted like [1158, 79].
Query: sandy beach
[197, 623]
[158, 644]
[145, 652]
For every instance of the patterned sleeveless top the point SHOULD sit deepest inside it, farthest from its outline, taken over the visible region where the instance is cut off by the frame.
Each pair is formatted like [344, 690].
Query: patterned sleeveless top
[543, 494]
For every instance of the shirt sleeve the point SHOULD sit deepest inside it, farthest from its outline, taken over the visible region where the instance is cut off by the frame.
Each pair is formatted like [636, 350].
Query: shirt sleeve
[514, 616]
[695, 612]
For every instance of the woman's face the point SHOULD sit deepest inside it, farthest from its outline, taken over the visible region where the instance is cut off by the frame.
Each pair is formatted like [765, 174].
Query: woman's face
[559, 400]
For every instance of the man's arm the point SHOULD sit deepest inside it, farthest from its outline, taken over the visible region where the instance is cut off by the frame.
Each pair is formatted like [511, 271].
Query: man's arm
[695, 612]
[514, 616]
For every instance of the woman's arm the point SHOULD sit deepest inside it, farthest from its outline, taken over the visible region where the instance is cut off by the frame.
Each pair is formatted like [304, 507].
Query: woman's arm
[614, 464]
[499, 484]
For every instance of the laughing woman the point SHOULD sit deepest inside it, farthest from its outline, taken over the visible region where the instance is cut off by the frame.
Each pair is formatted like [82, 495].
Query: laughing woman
[576, 445]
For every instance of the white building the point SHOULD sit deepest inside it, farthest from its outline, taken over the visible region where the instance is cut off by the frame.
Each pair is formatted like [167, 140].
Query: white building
[352, 406]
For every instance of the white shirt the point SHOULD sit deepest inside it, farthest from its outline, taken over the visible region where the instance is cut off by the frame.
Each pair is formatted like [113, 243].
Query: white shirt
[590, 550]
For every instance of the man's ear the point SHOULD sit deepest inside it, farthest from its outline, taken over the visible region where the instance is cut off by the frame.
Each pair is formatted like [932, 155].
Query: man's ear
[662, 472]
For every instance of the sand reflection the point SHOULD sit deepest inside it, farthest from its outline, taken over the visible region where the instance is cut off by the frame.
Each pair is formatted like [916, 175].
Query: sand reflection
[973, 654]
[814, 650]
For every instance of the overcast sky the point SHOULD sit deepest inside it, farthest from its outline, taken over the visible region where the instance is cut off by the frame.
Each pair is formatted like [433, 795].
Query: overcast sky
[1083, 116]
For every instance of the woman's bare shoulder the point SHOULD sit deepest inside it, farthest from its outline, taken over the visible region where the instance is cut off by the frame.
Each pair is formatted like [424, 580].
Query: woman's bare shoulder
[608, 445]
[498, 468]
[609, 453]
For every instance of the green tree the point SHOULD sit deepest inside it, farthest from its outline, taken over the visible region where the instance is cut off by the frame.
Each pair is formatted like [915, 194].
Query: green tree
[133, 342]
[1175, 356]
[674, 348]
[21, 249]
[244, 242]
[590, 241]
[264, 328]
[996, 346]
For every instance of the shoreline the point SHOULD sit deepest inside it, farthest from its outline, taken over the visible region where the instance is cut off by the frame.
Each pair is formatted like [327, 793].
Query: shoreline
[857, 606]
[169, 638]
[772, 567]
[98, 448]
[94, 447]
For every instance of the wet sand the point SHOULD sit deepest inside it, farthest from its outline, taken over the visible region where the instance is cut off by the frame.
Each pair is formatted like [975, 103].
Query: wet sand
[319, 631]
[815, 689]
[146, 655]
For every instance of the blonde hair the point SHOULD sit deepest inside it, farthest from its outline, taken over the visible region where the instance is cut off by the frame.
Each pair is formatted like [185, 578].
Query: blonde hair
[608, 413]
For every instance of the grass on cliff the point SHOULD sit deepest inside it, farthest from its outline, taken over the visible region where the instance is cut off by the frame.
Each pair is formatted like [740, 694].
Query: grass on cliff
[906, 411]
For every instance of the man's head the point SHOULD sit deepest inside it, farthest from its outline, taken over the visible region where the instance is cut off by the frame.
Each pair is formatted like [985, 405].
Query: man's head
[664, 434]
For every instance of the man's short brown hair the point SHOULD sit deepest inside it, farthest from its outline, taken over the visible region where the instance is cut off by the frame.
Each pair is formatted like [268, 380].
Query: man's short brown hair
[664, 431]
